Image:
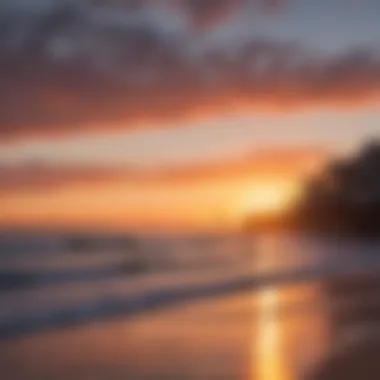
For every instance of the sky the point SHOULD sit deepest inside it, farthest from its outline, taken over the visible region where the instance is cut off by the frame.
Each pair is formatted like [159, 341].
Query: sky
[177, 114]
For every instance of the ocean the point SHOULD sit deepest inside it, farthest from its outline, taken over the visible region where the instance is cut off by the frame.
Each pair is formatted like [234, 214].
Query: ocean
[196, 307]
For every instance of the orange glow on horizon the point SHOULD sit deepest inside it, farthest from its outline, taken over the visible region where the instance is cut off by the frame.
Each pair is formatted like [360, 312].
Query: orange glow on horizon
[214, 205]
[216, 197]
[271, 197]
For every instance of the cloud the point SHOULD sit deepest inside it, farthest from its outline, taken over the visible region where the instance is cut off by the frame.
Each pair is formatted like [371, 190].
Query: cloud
[203, 13]
[16, 179]
[209, 12]
[73, 66]
[42, 177]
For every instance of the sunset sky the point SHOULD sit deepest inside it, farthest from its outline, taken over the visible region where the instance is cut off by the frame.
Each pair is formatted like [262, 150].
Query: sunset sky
[177, 114]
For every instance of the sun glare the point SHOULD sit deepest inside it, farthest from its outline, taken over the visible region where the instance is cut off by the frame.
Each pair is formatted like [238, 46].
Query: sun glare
[270, 198]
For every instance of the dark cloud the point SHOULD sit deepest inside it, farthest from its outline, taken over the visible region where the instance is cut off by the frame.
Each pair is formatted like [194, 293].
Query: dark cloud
[72, 66]
[208, 12]
[273, 5]
[33, 177]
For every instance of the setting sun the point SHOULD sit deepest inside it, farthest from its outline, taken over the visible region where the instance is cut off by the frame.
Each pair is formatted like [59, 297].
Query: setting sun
[271, 198]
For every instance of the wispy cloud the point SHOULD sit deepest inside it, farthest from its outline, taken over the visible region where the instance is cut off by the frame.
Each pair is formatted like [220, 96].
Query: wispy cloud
[70, 66]
[291, 161]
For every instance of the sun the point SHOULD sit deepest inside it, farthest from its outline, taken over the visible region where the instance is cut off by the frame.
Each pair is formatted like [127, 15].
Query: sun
[270, 198]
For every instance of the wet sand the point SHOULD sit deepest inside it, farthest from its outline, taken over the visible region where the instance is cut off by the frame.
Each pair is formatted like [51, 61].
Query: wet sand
[239, 337]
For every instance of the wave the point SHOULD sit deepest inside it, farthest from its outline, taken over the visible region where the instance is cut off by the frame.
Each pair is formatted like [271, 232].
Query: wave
[154, 293]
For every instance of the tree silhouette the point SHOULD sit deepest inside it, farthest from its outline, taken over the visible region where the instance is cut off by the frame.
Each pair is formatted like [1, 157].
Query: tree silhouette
[345, 198]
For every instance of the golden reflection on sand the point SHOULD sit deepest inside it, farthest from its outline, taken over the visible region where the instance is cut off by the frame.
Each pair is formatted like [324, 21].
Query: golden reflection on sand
[286, 345]
[269, 355]
[291, 322]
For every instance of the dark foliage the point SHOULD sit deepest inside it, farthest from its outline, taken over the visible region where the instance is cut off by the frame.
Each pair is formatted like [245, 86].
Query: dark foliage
[345, 198]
